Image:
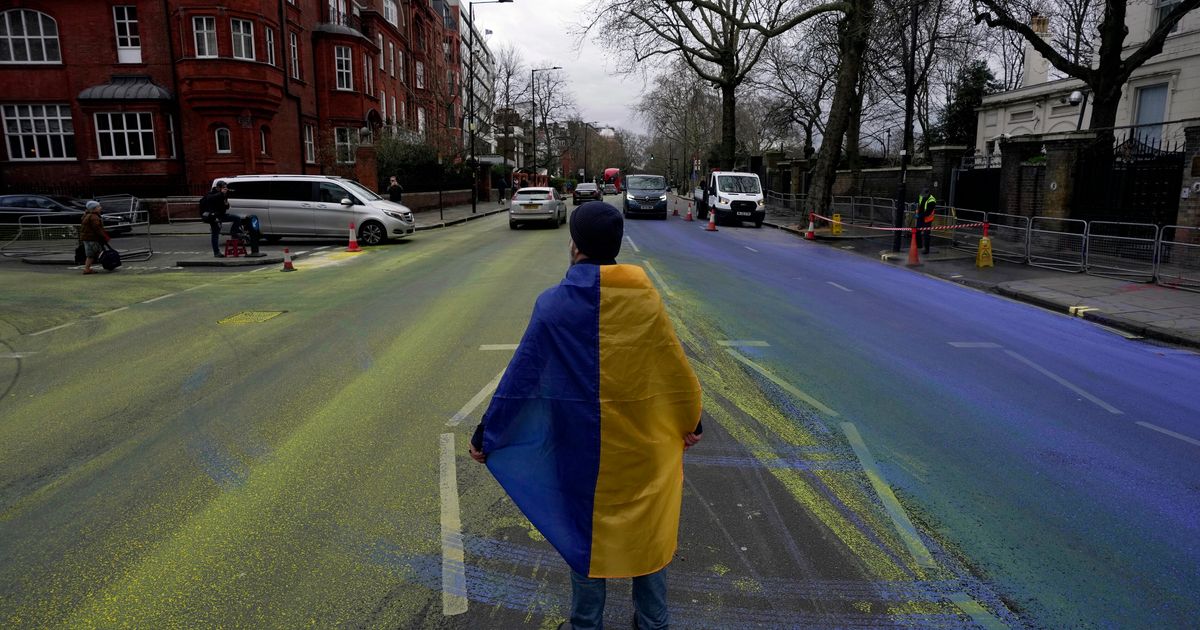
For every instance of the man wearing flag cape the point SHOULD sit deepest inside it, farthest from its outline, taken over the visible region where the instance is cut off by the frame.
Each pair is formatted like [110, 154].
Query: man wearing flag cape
[587, 428]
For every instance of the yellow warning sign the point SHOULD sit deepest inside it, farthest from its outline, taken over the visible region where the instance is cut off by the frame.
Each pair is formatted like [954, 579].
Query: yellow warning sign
[984, 257]
[836, 228]
[251, 317]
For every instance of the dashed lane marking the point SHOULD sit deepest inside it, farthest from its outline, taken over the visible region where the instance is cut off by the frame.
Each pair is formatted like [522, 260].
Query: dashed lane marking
[632, 244]
[498, 346]
[115, 310]
[1065, 383]
[48, 330]
[198, 286]
[161, 297]
[468, 408]
[15, 355]
[839, 286]
[743, 343]
[658, 278]
[1178, 436]
[750, 248]
[788, 387]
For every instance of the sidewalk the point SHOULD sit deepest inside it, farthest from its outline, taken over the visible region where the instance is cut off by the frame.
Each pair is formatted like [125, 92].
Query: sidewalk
[1142, 310]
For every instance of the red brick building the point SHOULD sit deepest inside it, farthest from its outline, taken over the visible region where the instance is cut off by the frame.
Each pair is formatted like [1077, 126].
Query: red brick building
[163, 96]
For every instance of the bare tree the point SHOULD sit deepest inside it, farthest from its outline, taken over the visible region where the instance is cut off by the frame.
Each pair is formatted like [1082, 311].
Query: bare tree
[684, 117]
[720, 40]
[510, 89]
[1112, 65]
[797, 76]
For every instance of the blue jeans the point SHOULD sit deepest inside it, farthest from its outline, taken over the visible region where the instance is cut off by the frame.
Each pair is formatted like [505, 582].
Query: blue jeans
[649, 601]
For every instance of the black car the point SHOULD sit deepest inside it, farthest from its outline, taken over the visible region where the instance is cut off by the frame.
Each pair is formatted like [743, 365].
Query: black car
[586, 192]
[645, 195]
[54, 210]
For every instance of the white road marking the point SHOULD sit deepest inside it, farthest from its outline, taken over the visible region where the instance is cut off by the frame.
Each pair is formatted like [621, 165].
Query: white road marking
[743, 343]
[957, 275]
[974, 344]
[261, 269]
[976, 612]
[1065, 383]
[498, 346]
[322, 247]
[454, 570]
[839, 286]
[1178, 436]
[788, 387]
[900, 519]
[654, 272]
[161, 297]
[750, 248]
[1118, 331]
[15, 355]
[59, 327]
[474, 402]
[632, 244]
[198, 286]
[115, 310]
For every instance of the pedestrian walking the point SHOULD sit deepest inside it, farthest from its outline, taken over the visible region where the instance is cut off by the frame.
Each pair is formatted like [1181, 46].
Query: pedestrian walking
[503, 190]
[926, 205]
[92, 235]
[587, 428]
[395, 191]
[214, 207]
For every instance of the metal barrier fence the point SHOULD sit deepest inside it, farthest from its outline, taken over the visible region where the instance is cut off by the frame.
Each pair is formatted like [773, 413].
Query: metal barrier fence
[1057, 243]
[1121, 250]
[1010, 237]
[57, 233]
[1179, 257]
[966, 240]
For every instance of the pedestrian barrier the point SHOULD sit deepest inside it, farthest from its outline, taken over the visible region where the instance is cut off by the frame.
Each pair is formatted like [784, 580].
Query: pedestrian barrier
[182, 209]
[1009, 234]
[1125, 251]
[57, 233]
[1057, 244]
[965, 240]
[1179, 257]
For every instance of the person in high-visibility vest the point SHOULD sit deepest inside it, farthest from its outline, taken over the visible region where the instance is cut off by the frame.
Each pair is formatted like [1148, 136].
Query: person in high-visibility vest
[926, 204]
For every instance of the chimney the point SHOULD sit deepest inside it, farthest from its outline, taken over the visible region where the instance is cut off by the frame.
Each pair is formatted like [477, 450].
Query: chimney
[1036, 66]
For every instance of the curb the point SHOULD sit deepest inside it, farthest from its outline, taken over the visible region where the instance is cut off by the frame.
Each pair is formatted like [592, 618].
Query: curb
[225, 262]
[471, 217]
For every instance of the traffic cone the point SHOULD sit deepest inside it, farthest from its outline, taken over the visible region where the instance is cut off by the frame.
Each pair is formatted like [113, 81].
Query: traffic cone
[353, 241]
[675, 210]
[712, 221]
[810, 234]
[287, 261]
[914, 258]
[689, 214]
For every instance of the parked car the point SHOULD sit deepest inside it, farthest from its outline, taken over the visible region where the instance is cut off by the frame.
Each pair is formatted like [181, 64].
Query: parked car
[317, 205]
[610, 189]
[733, 197]
[645, 195]
[536, 205]
[586, 191]
[54, 210]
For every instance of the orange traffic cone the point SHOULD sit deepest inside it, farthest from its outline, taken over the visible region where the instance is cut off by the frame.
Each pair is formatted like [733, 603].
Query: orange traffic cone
[914, 259]
[689, 214]
[712, 221]
[353, 241]
[810, 234]
[675, 209]
[287, 261]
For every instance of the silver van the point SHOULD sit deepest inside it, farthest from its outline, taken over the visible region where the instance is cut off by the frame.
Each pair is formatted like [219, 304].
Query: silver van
[317, 206]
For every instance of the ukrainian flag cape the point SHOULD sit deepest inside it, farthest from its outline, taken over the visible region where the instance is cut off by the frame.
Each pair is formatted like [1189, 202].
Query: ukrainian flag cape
[585, 431]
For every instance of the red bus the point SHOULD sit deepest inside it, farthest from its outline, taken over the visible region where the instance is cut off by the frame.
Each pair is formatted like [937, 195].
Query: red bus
[613, 176]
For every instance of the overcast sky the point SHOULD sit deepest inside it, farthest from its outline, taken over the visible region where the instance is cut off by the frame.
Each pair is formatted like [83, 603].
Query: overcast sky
[542, 31]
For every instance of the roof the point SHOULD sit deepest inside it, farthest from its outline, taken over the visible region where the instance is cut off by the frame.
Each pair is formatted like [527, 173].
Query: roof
[126, 88]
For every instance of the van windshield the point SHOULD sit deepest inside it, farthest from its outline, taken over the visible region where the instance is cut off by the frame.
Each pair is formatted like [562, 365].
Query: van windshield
[738, 184]
[360, 190]
[645, 182]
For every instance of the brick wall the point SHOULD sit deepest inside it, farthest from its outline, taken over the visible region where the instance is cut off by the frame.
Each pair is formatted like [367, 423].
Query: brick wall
[880, 182]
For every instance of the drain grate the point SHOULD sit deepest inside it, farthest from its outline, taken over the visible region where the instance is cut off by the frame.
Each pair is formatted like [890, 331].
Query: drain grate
[251, 317]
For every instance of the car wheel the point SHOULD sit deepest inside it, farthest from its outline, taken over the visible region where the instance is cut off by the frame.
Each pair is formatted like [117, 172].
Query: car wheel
[512, 225]
[372, 233]
[272, 238]
[562, 218]
[758, 224]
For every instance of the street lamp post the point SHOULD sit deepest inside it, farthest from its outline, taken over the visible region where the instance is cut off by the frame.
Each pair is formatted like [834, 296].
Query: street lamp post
[533, 114]
[471, 99]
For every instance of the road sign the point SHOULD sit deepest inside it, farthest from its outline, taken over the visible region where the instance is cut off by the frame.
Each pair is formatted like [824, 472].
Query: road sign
[581, 172]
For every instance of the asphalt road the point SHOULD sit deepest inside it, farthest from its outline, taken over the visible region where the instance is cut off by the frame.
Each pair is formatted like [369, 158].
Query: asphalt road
[881, 448]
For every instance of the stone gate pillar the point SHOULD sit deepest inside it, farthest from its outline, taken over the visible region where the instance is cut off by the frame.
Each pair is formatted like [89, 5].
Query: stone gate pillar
[1189, 209]
[943, 160]
[1062, 159]
[1014, 152]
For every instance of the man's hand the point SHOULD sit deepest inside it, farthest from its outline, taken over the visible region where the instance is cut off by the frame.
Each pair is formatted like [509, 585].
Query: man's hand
[476, 455]
[690, 440]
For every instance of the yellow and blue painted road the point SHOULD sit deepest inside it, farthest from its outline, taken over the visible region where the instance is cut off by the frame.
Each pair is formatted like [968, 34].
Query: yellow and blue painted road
[259, 449]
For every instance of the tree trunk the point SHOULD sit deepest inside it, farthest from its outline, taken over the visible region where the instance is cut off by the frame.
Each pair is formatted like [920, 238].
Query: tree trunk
[728, 129]
[853, 33]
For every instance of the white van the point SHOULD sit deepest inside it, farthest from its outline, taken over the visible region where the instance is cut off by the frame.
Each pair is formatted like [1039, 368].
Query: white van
[733, 197]
[316, 206]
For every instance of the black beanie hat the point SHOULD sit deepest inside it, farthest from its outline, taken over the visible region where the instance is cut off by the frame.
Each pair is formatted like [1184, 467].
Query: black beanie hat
[597, 229]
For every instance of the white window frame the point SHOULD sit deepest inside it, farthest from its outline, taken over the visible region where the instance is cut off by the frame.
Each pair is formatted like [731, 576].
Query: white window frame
[337, 12]
[420, 75]
[22, 132]
[366, 65]
[171, 134]
[392, 59]
[400, 65]
[343, 67]
[343, 140]
[310, 145]
[395, 118]
[383, 101]
[390, 13]
[46, 43]
[421, 120]
[204, 35]
[294, 44]
[129, 41]
[379, 42]
[1162, 8]
[144, 125]
[217, 134]
[269, 34]
[245, 37]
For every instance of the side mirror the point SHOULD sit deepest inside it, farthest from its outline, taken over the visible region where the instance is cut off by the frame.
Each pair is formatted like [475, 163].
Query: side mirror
[346, 201]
